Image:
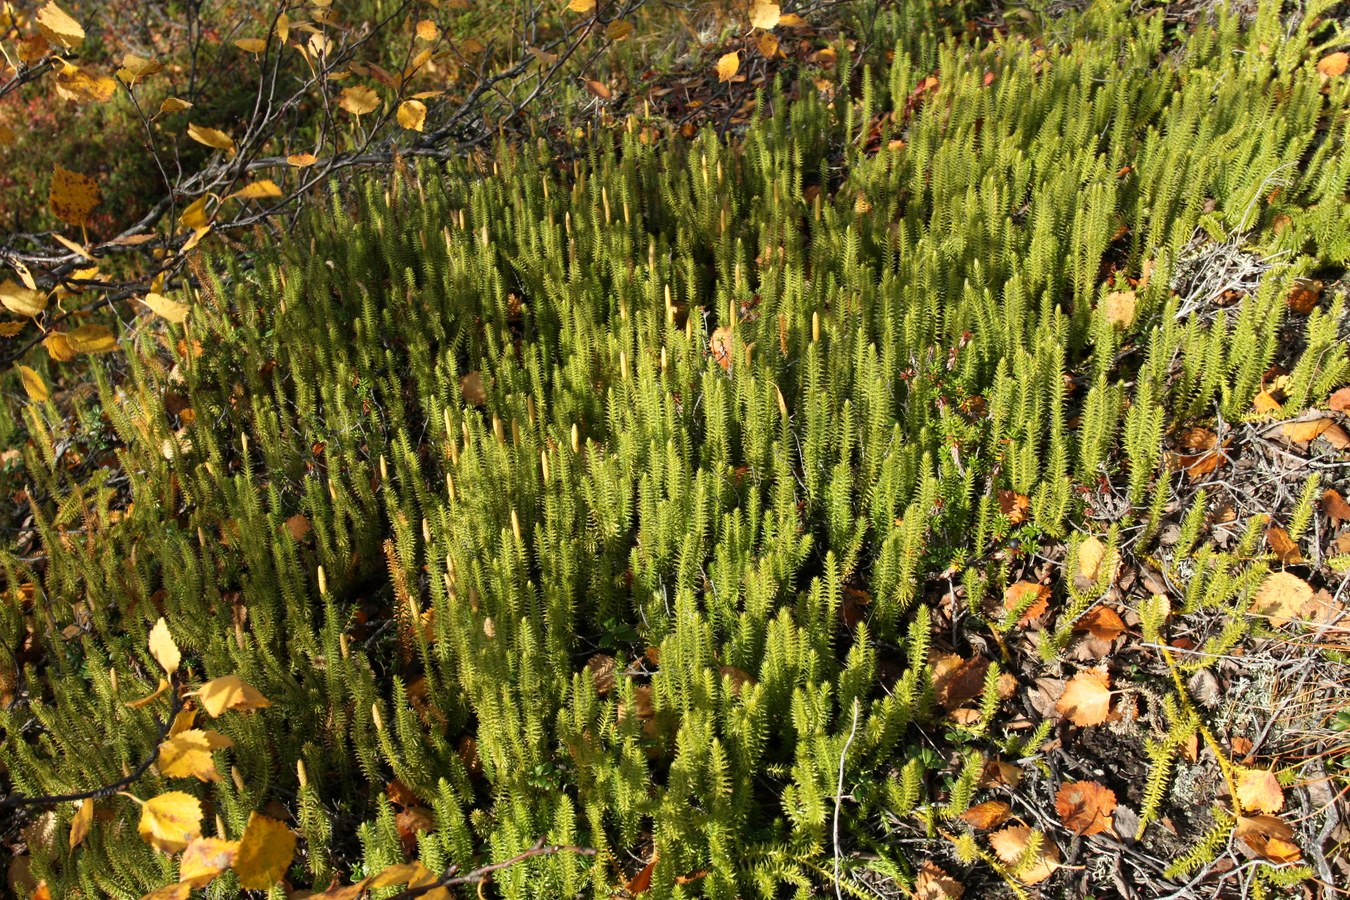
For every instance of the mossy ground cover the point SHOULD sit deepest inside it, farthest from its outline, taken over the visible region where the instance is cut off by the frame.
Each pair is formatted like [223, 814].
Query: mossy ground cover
[944, 469]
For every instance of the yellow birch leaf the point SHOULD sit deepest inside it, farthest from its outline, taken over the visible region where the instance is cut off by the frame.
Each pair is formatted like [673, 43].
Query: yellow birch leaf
[258, 190]
[283, 27]
[211, 137]
[230, 692]
[265, 852]
[398, 873]
[1280, 597]
[21, 300]
[581, 6]
[178, 891]
[197, 235]
[764, 15]
[165, 308]
[173, 105]
[58, 347]
[58, 27]
[1011, 845]
[767, 44]
[91, 339]
[182, 722]
[428, 30]
[134, 68]
[163, 648]
[73, 196]
[618, 30]
[204, 859]
[188, 755]
[194, 216]
[79, 825]
[75, 85]
[359, 100]
[170, 821]
[33, 384]
[412, 114]
[73, 247]
[9, 329]
[791, 20]
[302, 160]
[251, 45]
[728, 65]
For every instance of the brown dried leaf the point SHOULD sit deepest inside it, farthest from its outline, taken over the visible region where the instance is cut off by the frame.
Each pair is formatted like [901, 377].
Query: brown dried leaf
[601, 667]
[961, 684]
[471, 386]
[1085, 806]
[1335, 507]
[1303, 296]
[1340, 400]
[1120, 308]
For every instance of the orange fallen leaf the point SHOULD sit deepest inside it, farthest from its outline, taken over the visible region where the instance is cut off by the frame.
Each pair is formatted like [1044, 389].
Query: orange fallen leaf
[935, 884]
[1303, 296]
[719, 345]
[1027, 592]
[1302, 432]
[298, 525]
[1280, 597]
[1334, 506]
[1340, 401]
[1333, 64]
[987, 815]
[1011, 845]
[1259, 790]
[642, 880]
[1014, 505]
[1268, 837]
[1085, 806]
[1103, 622]
[1087, 698]
[1283, 546]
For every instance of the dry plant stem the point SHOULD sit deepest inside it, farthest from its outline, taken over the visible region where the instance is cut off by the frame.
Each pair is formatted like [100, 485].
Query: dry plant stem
[483, 873]
[839, 798]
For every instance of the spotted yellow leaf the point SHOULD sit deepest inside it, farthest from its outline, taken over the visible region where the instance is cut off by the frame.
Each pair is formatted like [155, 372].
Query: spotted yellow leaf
[412, 114]
[73, 196]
